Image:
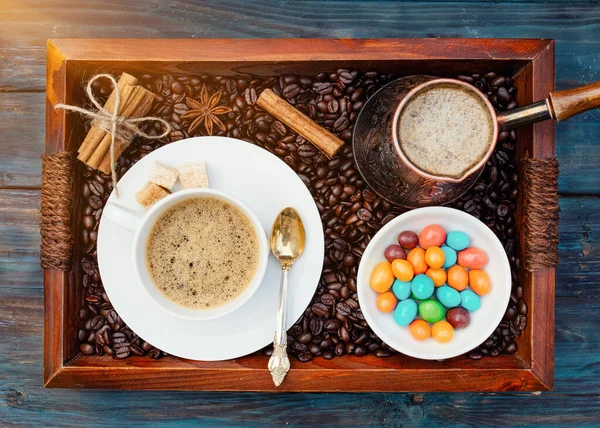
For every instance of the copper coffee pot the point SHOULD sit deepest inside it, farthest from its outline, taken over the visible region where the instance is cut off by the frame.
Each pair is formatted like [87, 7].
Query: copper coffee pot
[385, 167]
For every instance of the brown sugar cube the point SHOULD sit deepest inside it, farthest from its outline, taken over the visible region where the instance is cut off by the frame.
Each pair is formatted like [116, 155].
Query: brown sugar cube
[150, 194]
[163, 175]
[193, 175]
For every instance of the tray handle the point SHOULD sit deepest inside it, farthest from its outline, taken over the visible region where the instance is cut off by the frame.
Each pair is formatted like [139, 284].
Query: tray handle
[56, 213]
[541, 213]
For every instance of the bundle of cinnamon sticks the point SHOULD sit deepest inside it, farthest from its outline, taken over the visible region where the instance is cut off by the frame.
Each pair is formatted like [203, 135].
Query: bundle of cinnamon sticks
[135, 101]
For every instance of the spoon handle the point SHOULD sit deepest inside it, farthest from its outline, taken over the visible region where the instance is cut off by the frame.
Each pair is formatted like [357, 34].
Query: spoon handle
[279, 364]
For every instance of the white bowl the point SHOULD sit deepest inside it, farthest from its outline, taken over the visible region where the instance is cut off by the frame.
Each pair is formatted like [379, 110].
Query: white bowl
[483, 321]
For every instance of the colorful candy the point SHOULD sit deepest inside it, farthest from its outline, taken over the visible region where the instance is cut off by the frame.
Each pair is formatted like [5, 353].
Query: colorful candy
[408, 239]
[458, 317]
[425, 274]
[438, 276]
[448, 296]
[472, 258]
[416, 258]
[457, 240]
[401, 289]
[403, 270]
[458, 278]
[382, 277]
[394, 252]
[422, 287]
[405, 312]
[479, 281]
[469, 300]
[450, 256]
[386, 302]
[420, 330]
[442, 332]
[435, 257]
[431, 235]
[431, 310]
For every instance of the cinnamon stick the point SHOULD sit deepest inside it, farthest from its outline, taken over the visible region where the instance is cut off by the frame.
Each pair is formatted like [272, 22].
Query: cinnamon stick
[95, 135]
[130, 100]
[141, 103]
[324, 140]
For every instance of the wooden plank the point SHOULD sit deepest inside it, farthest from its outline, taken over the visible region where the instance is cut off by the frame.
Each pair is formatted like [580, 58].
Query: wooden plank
[578, 272]
[24, 398]
[21, 138]
[19, 239]
[27, 24]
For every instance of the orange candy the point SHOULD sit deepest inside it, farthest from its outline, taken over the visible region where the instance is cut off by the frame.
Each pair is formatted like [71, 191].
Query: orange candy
[419, 329]
[442, 331]
[479, 281]
[458, 278]
[386, 302]
[438, 275]
[382, 277]
[432, 235]
[403, 270]
[435, 257]
[472, 258]
[416, 257]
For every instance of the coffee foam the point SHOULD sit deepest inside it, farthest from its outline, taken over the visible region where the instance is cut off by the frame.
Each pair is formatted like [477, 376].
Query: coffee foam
[202, 253]
[445, 130]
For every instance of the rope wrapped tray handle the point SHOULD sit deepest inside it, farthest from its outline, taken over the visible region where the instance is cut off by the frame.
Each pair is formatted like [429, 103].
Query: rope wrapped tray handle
[540, 213]
[56, 211]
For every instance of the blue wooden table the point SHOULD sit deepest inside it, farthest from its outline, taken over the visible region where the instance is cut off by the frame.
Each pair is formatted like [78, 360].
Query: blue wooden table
[26, 24]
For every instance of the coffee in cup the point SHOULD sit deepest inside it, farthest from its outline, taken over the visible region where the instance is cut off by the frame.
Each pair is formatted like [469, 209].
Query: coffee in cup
[202, 253]
[445, 130]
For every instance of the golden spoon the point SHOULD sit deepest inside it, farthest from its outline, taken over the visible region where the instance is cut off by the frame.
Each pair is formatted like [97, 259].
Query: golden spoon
[287, 244]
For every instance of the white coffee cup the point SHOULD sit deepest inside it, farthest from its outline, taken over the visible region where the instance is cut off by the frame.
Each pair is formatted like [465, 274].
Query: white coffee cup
[142, 226]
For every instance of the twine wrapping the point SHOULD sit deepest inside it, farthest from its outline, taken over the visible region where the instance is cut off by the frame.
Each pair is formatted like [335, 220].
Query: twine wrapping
[120, 127]
[56, 250]
[541, 213]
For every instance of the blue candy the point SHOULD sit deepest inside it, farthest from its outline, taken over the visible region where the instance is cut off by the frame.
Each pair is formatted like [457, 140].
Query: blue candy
[448, 296]
[469, 300]
[422, 286]
[457, 240]
[451, 257]
[401, 289]
[405, 312]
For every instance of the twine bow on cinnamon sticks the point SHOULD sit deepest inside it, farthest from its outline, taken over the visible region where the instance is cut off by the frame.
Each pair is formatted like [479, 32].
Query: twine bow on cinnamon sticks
[115, 124]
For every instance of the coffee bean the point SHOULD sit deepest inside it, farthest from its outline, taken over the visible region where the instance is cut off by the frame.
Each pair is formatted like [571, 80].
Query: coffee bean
[291, 91]
[123, 352]
[87, 349]
[341, 124]
[320, 310]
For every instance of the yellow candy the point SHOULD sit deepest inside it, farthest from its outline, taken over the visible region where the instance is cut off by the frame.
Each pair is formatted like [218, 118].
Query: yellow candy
[435, 257]
[438, 275]
[382, 277]
[402, 270]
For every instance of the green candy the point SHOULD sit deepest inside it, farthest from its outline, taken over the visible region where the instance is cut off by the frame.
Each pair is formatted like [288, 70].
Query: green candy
[431, 310]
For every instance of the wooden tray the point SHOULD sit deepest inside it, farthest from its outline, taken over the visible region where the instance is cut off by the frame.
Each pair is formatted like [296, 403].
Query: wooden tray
[531, 62]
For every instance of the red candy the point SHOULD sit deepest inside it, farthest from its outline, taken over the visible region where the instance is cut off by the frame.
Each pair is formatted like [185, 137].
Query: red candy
[408, 239]
[394, 252]
[472, 258]
[432, 235]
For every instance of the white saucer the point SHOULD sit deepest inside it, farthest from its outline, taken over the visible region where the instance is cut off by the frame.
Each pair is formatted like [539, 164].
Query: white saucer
[267, 185]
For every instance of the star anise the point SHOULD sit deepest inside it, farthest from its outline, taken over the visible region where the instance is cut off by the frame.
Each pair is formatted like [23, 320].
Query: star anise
[205, 111]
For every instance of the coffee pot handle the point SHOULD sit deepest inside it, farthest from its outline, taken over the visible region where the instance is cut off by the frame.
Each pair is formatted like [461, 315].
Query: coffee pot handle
[123, 216]
[570, 102]
[559, 106]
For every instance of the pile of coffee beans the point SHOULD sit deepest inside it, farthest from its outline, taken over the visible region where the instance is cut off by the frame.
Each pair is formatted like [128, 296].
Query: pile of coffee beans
[333, 324]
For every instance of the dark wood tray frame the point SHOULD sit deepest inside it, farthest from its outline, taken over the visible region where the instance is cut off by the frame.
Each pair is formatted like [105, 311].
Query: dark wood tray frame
[530, 61]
